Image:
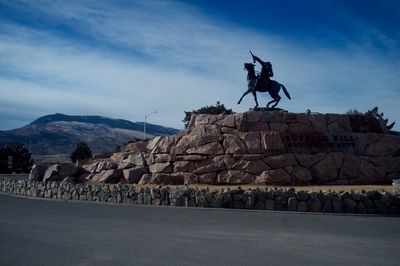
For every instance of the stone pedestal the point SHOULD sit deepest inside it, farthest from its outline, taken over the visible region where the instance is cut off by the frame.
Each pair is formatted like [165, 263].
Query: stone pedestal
[276, 147]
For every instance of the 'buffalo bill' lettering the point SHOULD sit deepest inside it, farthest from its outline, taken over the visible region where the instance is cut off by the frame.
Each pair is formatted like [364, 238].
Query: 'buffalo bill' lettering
[320, 140]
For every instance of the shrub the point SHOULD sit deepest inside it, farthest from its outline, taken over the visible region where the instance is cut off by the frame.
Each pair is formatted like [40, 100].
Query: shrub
[211, 110]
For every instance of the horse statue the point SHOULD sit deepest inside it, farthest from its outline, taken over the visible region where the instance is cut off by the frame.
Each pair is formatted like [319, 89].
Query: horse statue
[272, 87]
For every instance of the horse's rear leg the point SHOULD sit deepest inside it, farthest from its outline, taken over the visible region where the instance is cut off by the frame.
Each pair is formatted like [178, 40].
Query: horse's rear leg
[270, 102]
[277, 101]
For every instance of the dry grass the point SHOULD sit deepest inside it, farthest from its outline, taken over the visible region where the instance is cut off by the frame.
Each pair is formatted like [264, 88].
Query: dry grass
[336, 188]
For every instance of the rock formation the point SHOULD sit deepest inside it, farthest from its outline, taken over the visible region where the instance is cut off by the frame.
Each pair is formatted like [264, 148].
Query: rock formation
[261, 147]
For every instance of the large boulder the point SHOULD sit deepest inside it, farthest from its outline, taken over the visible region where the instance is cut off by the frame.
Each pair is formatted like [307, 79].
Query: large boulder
[213, 148]
[145, 179]
[58, 172]
[188, 178]
[318, 122]
[241, 121]
[162, 144]
[253, 142]
[191, 157]
[254, 116]
[350, 167]
[388, 145]
[38, 171]
[227, 121]
[278, 176]
[302, 174]
[133, 175]
[183, 166]
[188, 141]
[299, 128]
[162, 158]
[325, 170]
[252, 167]
[118, 156]
[229, 160]
[131, 161]
[369, 174]
[387, 163]
[105, 165]
[308, 160]
[280, 161]
[210, 167]
[91, 167]
[136, 147]
[208, 178]
[257, 126]
[108, 176]
[235, 177]
[272, 141]
[280, 127]
[271, 116]
[160, 168]
[233, 144]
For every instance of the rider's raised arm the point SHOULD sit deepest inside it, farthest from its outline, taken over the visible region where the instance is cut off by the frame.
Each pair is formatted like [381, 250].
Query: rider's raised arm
[255, 58]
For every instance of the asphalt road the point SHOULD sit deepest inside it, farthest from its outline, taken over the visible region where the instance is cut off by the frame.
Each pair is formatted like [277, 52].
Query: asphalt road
[42, 232]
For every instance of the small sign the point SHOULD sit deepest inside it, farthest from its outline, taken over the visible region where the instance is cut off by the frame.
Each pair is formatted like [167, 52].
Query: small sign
[10, 162]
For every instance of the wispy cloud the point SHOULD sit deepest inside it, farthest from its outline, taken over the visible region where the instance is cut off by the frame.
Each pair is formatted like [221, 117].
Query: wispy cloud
[125, 60]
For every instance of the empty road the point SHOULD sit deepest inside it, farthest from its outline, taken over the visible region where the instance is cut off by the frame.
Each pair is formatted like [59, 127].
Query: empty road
[42, 232]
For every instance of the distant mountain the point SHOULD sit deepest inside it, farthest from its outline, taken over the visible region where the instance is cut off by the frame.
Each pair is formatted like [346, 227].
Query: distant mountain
[111, 122]
[59, 133]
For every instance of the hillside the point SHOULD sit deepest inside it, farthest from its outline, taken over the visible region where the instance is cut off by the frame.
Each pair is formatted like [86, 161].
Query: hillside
[59, 133]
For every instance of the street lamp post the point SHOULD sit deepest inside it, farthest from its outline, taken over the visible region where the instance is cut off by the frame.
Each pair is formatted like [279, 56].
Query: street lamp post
[144, 126]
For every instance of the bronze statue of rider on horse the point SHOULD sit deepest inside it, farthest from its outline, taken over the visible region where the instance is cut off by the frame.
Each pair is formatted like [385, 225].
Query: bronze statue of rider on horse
[262, 82]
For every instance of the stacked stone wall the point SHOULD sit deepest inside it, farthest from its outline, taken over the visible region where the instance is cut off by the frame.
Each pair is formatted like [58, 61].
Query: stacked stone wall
[372, 202]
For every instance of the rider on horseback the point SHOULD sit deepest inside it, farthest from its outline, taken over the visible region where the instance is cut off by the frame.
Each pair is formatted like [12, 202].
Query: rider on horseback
[262, 82]
[266, 71]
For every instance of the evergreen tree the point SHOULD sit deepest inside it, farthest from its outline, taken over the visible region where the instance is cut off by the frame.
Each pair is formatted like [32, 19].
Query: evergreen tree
[81, 152]
[21, 161]
[375, 113]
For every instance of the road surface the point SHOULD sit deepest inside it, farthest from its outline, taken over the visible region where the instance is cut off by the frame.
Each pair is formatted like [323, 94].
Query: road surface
[44, 232]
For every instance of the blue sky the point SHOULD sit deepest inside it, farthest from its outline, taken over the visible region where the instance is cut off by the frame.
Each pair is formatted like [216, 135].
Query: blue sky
[125, 59]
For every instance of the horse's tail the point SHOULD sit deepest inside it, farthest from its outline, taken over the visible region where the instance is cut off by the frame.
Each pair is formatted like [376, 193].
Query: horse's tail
[286, 92]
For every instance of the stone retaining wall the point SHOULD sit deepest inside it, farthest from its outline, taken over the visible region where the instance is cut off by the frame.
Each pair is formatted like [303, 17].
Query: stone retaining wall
[372, 202]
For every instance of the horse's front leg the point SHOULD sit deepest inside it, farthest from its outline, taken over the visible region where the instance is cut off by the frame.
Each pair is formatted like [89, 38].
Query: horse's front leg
[255, 98]
[244, 94]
